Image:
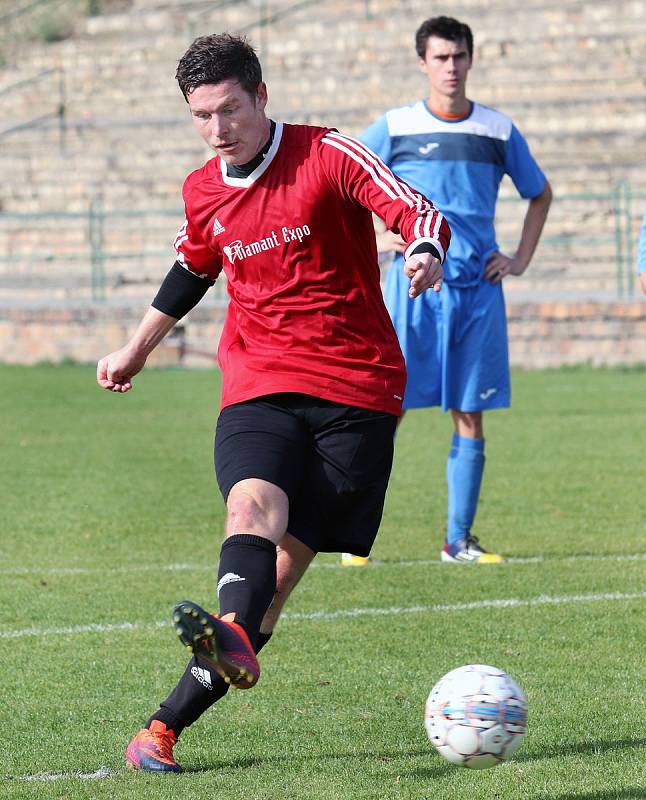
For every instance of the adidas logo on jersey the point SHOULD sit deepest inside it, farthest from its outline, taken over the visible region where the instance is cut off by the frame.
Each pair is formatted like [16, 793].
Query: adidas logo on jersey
[218, 227]
[202, 676]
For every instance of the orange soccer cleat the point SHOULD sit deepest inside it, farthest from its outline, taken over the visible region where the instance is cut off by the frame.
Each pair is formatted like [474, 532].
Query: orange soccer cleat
[152, 749]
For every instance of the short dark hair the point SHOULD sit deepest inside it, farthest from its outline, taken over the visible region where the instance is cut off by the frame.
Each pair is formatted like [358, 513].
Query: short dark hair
[444, 28]
[216, 58]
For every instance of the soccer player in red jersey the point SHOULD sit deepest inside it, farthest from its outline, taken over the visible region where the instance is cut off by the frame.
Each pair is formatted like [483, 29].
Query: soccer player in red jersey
[313, 376]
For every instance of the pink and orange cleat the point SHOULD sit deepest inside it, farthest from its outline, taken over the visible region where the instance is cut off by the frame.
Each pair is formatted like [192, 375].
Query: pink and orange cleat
[219, 641]
[152, 749]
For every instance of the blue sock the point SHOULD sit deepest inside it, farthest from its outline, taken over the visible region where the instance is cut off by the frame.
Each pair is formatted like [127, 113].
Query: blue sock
[464, 469]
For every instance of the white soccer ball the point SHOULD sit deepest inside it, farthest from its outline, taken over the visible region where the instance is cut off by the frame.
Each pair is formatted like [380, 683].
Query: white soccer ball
[476, 716]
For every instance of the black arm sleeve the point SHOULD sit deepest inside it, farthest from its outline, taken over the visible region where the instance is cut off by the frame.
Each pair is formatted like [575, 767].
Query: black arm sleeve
[426, 247]
[180, 291]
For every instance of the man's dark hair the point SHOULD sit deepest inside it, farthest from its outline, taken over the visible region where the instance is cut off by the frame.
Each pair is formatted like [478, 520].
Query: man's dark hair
[444, 28]
[216, 58]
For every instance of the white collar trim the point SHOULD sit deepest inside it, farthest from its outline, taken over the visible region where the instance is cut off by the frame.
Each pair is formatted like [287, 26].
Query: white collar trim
[260, 169]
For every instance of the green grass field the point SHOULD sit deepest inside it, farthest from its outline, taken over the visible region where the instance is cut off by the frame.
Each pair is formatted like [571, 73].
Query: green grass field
[110, 514]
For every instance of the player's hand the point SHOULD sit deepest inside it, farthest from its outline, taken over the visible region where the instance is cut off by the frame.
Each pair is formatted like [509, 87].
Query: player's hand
[387, 241]
[425, 272]
[115, 371]
[499, 266]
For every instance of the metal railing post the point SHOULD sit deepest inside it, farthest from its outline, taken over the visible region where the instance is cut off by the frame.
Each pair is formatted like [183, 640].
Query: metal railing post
[96, 219]
[622, 209]
[619, 239]
[62, 121]
[263, 12]
[630, 267]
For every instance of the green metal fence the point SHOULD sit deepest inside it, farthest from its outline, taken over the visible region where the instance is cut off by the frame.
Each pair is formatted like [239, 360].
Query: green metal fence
[616, 233]
[55, 78]
[625, 213]
[100, 254]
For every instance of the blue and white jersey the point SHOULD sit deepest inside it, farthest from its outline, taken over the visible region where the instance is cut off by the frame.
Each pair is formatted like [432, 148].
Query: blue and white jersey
[459, 164]
[641, 247]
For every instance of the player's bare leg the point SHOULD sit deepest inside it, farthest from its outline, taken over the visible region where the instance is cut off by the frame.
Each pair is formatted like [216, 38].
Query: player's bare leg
[292, 559]
[468, 424]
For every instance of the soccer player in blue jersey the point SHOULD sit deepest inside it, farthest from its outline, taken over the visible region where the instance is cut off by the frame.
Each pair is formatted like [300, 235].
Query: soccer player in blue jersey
[455, 342]
[641, 255]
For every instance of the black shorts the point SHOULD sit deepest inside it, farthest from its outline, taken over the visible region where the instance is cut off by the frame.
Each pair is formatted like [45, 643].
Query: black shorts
[332, 461]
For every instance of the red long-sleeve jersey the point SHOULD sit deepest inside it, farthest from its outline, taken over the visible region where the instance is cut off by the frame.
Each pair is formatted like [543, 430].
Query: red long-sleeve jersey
[296, 242]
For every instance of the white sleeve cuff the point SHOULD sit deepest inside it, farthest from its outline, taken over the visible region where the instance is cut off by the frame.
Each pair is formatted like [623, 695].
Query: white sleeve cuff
[435, 242]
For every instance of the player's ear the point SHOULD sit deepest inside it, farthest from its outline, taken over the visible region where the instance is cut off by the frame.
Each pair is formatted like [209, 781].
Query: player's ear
[261, 95]
[421, 63]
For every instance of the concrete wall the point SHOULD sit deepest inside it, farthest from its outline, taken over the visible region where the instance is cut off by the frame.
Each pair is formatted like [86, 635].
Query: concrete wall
[545, 333]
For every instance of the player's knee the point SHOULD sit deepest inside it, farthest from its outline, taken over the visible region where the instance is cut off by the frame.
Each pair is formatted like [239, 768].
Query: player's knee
[468, 424]
[261, 513]
[243, 512]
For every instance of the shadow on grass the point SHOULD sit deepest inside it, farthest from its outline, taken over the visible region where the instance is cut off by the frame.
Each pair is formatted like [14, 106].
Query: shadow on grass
[581, 748]
[607, 794]
[438, 768]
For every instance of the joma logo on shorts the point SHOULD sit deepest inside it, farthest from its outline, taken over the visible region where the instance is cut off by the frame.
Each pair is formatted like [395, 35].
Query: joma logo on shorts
[488, 392]
[238, 250]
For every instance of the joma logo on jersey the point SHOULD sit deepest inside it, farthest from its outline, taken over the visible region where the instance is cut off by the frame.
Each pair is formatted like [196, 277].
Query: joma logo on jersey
[426, 149]
[238, 250]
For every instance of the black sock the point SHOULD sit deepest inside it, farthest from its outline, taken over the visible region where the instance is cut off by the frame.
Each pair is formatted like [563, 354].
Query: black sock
[197, 690]
[247, 580]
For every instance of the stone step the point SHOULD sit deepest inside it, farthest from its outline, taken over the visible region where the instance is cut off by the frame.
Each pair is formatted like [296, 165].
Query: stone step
[572, 77]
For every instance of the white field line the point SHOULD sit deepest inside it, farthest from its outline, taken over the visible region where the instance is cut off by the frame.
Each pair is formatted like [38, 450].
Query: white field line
[188, 567]
[94, 627]
[109, 570]
[506, 602]
[102, 772]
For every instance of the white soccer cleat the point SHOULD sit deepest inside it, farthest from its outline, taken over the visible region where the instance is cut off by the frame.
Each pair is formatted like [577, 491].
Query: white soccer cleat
[468, 551]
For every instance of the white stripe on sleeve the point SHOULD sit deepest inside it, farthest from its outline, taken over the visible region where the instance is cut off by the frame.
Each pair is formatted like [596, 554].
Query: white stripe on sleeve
[413, 199]
[387, 189]
[394, 188]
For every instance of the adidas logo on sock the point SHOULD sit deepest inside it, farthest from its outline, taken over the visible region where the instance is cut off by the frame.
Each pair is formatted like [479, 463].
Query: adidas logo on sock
[202, 676]
[230, 577]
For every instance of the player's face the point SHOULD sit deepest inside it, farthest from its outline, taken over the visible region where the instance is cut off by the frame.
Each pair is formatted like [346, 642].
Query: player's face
[446, 65]
[231, 122]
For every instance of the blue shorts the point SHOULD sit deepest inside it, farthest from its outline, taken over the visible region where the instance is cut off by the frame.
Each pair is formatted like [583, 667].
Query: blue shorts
[454, 343]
